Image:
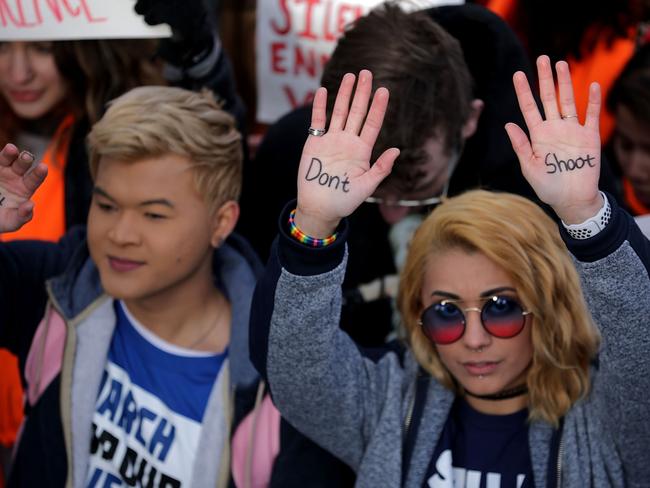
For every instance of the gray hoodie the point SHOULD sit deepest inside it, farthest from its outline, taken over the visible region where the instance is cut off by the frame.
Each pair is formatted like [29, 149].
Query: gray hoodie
[356, 406]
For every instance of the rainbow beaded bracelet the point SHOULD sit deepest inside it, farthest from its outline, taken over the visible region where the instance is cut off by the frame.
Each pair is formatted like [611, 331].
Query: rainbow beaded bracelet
[299, 235]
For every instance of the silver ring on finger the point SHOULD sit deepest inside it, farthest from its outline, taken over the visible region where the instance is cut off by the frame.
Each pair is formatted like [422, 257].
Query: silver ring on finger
[564, 117]
[316, 132]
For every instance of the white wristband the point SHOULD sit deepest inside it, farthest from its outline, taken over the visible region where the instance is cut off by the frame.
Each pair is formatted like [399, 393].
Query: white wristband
[593, 225]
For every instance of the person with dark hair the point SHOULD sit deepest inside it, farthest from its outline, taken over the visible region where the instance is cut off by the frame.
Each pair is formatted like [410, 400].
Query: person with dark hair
[449, 68]
[522, 365]
[629, 101]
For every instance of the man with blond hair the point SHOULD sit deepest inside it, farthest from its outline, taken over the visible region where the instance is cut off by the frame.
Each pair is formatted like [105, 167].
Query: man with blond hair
[133, 331]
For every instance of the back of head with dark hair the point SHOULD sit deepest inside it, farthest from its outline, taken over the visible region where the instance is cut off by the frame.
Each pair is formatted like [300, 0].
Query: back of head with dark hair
[632, 88]
[423, 68]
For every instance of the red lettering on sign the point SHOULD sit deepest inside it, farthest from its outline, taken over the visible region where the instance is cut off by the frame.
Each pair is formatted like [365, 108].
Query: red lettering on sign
[73, 12]
[329, 36]
[283, 31]
[89, 15]
[307, 33]
[305, 63]
[277, 57]
[293, 100]
[15, 14]
[6, 15]
[37, 11]
[55, 9]
[21, 15]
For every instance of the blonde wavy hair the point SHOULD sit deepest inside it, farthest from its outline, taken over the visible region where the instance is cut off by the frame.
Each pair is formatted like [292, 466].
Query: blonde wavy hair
[523, 241]
[157, 120]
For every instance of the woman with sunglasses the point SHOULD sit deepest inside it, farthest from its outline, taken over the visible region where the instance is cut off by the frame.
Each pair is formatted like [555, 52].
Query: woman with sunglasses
[505, 380]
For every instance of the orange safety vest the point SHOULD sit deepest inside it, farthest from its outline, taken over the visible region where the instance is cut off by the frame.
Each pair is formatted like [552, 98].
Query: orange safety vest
[49, 200]
[632, 201]
[11, 398]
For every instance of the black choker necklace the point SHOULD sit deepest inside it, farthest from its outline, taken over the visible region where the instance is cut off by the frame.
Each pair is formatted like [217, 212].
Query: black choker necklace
[502, 395]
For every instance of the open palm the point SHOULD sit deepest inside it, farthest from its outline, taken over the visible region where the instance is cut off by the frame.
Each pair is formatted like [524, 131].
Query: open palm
[17, 185]
[335, 174]
[562, 159]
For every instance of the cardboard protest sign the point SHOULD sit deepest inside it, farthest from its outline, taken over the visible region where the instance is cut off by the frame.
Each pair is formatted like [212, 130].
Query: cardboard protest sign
[294, 39]
[33, 20]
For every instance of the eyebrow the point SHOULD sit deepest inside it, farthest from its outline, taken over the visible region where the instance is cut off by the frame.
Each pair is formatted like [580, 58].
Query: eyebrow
[485, 294]
[157, 201]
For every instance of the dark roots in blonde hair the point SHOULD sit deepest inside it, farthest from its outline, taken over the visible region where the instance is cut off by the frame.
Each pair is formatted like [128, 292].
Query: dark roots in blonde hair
[523, 241]
[156, 120]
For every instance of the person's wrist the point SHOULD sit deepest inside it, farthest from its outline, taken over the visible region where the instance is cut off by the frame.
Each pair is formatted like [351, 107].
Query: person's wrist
[576, 214]
[315, 225]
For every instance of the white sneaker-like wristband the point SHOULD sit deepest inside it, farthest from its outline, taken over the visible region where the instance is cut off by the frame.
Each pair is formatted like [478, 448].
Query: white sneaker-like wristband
[593, 225]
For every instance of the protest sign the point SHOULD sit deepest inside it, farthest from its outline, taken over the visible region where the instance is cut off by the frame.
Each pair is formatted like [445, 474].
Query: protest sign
[294, 40]
[33, 20]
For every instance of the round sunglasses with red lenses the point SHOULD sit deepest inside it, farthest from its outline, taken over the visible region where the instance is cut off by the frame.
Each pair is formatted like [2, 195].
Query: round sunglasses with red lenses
[501, 316]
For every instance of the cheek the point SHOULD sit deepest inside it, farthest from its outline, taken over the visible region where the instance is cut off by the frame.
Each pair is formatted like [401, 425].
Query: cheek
[521, 349]
[94, 233]
[449, 357]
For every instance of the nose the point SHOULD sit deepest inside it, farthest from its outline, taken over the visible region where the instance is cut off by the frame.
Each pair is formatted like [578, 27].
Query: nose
[19, 64]
[124, 230]
[475, 336]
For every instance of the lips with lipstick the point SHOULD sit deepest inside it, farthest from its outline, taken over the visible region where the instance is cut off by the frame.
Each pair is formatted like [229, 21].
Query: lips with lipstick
[480, 368]
[124, 265]
[25, 96]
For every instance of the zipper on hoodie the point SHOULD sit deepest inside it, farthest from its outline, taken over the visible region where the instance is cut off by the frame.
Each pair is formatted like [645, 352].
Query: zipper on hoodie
[560, 453]
[409, 413]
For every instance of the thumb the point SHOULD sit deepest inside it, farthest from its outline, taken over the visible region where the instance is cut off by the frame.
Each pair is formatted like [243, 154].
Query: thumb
[520, 143]
[26, 211]
[380, 170]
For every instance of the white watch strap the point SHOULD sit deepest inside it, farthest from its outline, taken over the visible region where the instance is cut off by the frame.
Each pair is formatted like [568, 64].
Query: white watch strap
[593, 225]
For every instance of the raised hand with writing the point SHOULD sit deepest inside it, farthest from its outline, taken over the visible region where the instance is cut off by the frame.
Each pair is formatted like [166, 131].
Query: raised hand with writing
[335, 175]
[562, 159]
[17, 185]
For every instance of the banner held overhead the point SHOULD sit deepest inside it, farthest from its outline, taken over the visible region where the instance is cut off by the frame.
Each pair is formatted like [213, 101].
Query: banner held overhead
[34, 20]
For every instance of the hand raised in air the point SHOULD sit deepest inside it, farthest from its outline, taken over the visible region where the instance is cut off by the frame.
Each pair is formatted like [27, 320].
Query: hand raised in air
[18, 182]
[335, 174]
[561, 161]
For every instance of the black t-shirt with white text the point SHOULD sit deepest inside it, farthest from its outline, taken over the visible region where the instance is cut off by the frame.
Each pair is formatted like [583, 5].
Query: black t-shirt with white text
[477, 450]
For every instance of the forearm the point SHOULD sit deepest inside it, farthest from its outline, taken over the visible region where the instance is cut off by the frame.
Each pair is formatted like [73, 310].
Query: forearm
[318, 378]
[613, 267]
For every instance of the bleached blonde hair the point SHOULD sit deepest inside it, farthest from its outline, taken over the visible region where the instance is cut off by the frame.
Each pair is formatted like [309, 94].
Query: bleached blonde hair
[523, 241]
[157, 120]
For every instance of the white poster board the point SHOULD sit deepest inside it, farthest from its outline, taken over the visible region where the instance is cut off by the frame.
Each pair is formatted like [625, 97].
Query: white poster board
[33, 20]
[294, 39]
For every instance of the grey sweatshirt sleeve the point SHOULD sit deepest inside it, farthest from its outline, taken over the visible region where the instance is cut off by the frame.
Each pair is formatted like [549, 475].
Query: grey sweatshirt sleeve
[614, 274]
[319, 379]
[321, 382]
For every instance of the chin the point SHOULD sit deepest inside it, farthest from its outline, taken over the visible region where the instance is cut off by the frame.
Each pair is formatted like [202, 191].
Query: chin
[123, 289]
[483, 386]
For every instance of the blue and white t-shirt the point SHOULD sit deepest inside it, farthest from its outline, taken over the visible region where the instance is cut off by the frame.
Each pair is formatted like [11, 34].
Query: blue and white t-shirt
[477, 450]
[149, 410]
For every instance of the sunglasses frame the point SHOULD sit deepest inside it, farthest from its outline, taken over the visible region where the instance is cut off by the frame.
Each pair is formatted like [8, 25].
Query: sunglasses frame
[463, 311]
